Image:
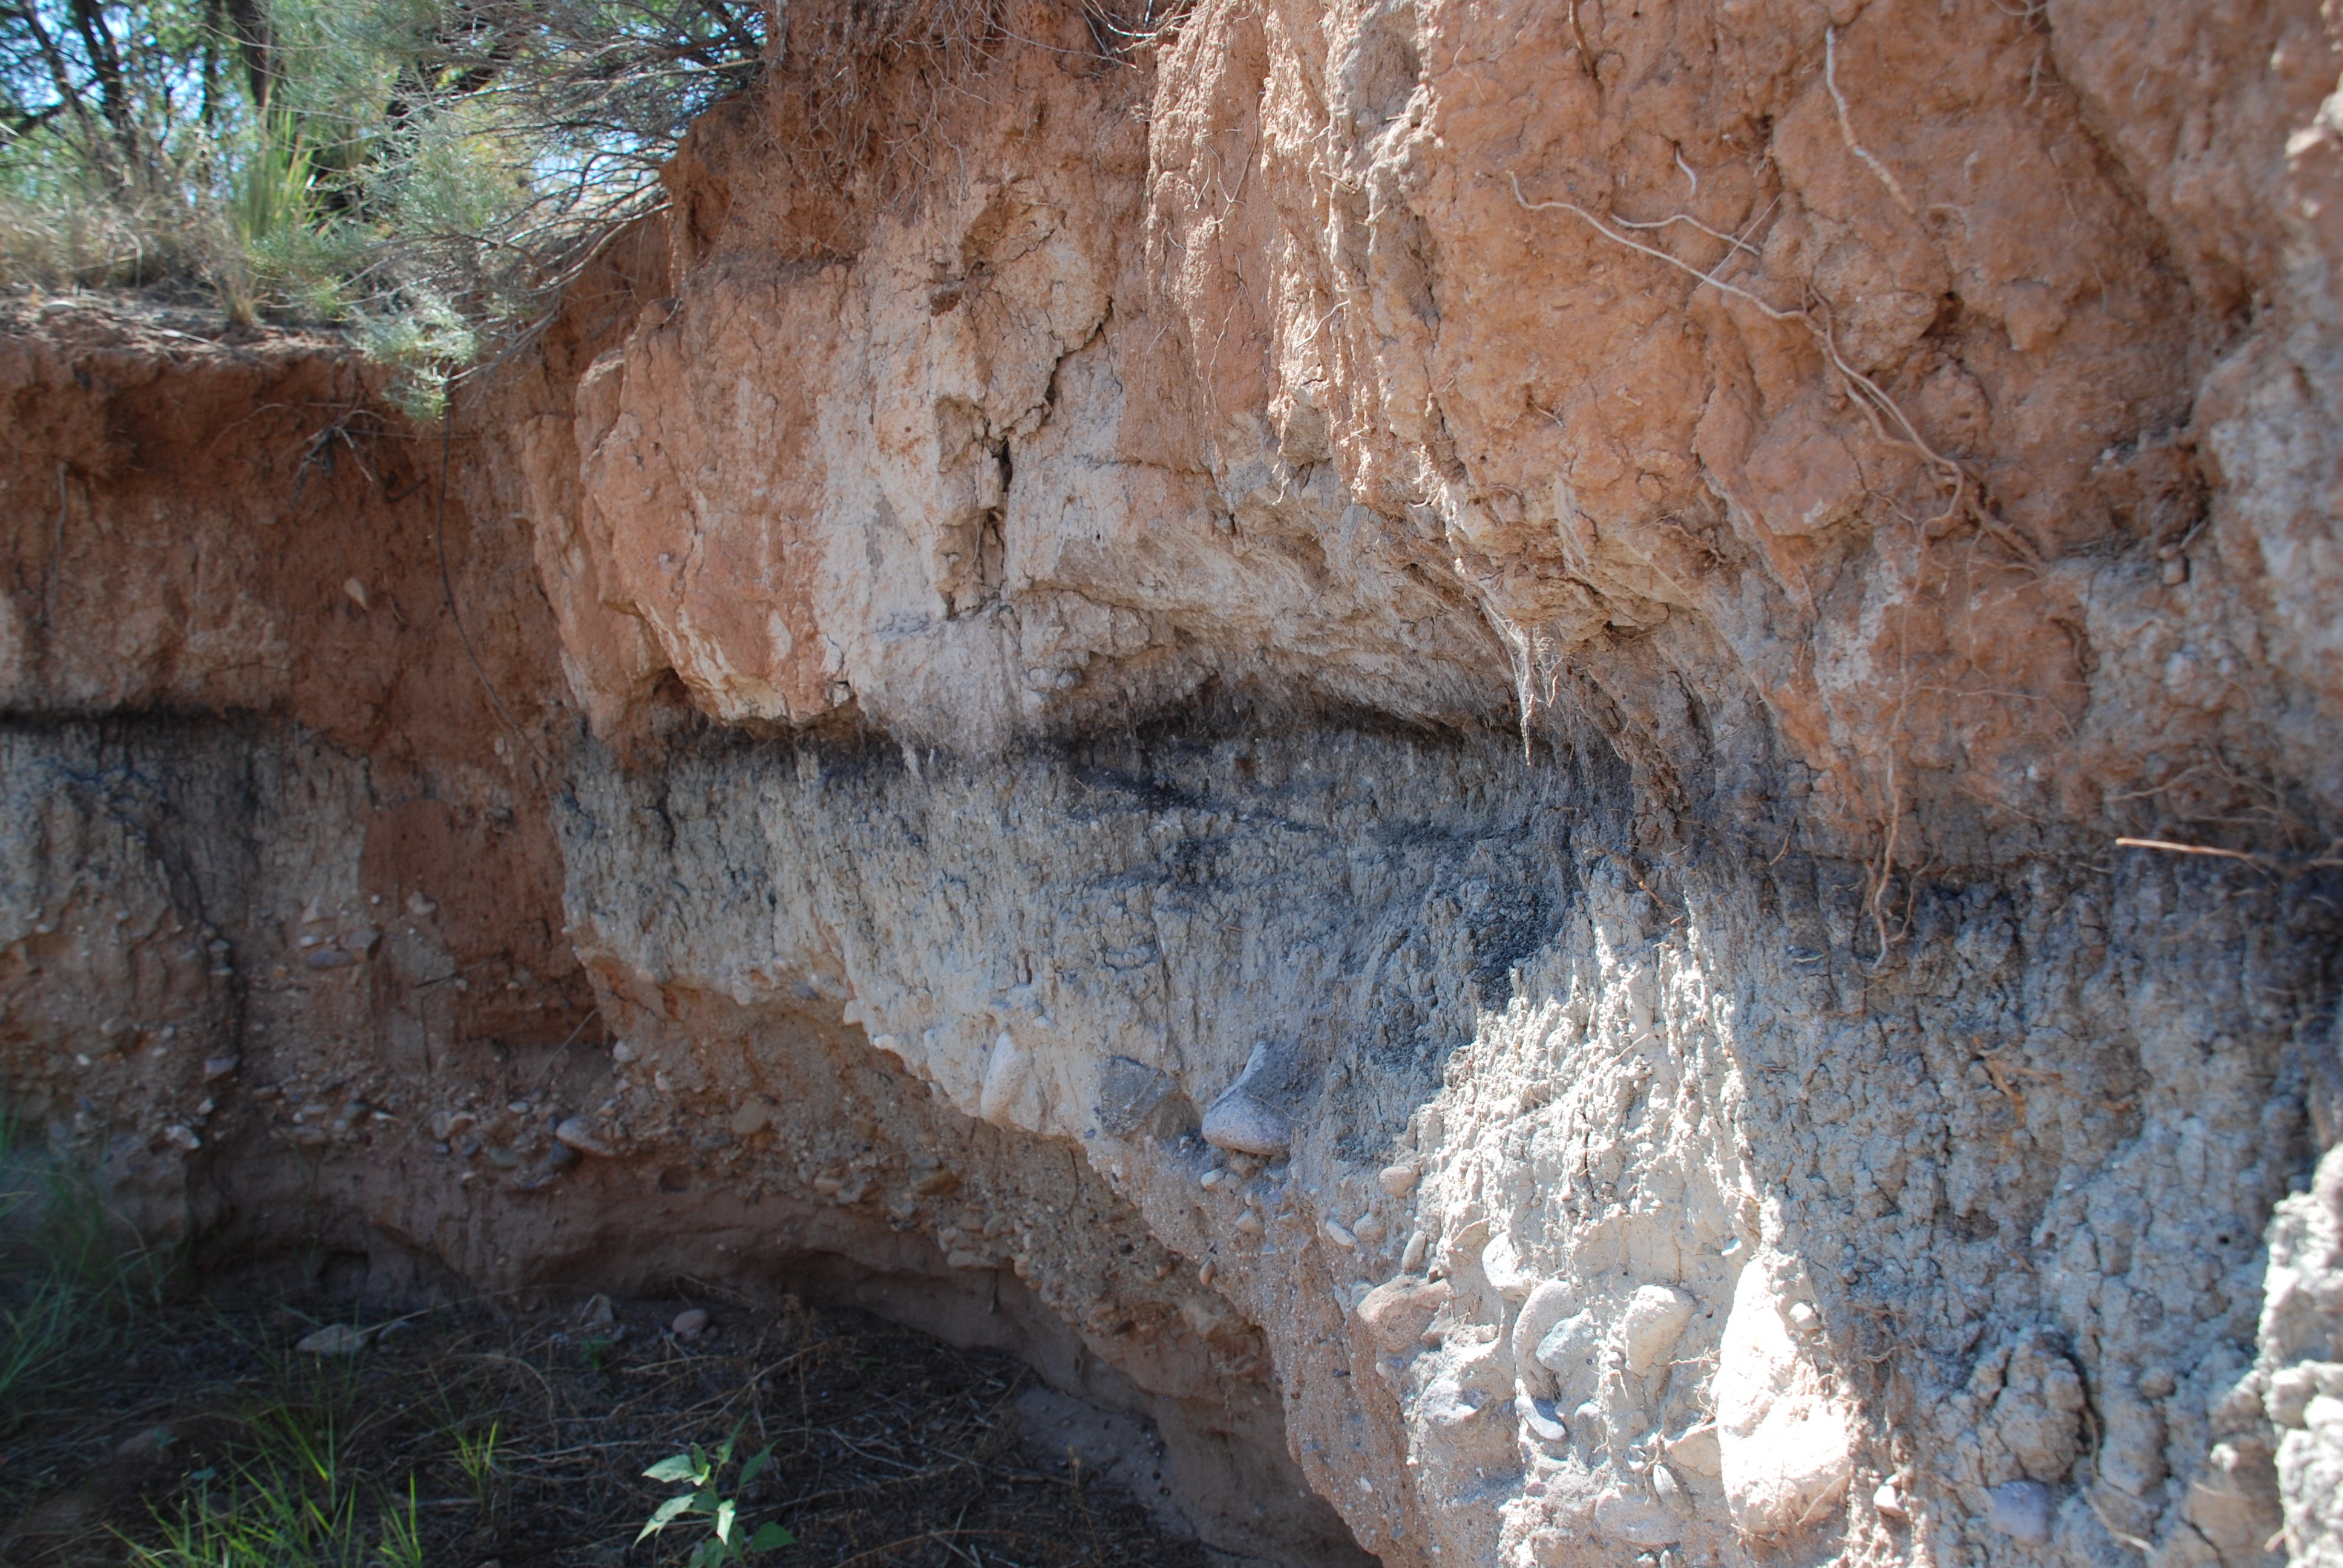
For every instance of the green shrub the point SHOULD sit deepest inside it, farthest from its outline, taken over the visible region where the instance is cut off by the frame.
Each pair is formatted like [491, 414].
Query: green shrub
[716, 1500]
[430, 171]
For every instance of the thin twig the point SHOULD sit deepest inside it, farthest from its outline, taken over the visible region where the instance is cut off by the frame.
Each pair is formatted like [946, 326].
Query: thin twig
[555, 1056]
[2169, 848]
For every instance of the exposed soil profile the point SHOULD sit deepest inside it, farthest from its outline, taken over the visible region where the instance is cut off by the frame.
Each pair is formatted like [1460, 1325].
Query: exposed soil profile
[1559, 782]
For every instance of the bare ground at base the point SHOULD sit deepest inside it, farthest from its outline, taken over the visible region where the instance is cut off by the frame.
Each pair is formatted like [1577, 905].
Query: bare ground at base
[519, 1438]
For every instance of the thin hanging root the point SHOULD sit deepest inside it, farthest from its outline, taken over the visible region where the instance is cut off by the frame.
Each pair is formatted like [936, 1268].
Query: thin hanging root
[1735, 241]
[1585, 54]
[1846, 127]
[1886, 868]
[1521, 657]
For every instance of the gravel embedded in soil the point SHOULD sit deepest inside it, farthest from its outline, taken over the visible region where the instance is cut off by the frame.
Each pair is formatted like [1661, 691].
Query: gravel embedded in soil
[889, 1447]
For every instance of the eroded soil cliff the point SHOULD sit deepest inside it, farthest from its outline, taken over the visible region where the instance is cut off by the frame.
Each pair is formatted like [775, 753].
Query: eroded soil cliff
[1403, 731]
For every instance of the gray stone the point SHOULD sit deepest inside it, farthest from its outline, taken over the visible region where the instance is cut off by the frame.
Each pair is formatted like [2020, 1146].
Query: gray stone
[1540, 1417]
[334, 1340]
[573, 1132]
[2021, 1510]
[1638, 1521]
[1129, 1093]
[1240, 1123]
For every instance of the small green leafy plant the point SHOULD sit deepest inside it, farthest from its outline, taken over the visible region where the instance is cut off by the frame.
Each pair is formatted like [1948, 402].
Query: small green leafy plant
[728, 1540]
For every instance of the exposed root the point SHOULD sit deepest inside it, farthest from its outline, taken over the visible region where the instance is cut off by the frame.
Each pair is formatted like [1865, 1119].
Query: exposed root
[1881, 410]
[1585, 54]
[1846, 127]
[1734, 240]
[1771, 311]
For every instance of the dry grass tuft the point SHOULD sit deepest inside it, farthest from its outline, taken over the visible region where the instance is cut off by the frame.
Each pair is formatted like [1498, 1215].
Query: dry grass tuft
[862, 84]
